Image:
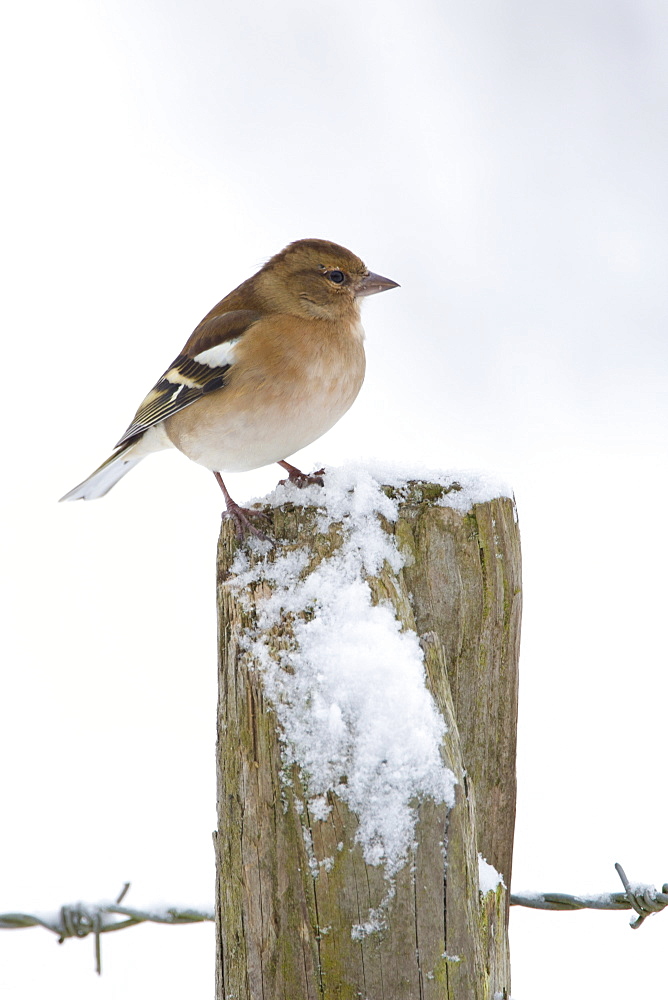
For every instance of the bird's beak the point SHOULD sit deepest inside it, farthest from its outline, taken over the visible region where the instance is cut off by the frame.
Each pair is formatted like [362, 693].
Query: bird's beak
[374, 283]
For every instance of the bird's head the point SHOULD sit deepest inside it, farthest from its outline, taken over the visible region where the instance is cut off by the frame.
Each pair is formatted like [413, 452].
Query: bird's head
[316, 278]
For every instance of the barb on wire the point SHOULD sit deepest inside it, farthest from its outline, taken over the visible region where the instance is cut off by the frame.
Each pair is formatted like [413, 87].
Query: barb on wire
[644, 899]
[81, 919]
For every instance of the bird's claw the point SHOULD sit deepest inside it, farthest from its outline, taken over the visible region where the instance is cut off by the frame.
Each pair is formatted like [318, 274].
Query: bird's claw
[242, 523]
[302, 480]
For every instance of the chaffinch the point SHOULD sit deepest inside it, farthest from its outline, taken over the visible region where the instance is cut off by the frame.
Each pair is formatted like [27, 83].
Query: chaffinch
[271, 368]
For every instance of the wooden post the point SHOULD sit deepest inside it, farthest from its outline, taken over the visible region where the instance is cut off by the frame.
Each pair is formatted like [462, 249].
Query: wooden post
[301, 913]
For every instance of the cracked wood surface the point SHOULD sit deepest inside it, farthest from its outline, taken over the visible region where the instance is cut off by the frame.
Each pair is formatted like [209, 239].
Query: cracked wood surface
[291, 888]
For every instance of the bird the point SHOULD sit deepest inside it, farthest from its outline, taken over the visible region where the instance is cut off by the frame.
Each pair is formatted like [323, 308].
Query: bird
[272, 367]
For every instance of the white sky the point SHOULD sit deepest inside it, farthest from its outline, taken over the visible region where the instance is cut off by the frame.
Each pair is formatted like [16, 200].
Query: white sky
[506, 164]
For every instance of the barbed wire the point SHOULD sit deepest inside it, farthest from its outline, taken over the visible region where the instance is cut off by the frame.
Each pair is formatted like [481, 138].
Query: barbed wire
[81, 919]
[644, 899]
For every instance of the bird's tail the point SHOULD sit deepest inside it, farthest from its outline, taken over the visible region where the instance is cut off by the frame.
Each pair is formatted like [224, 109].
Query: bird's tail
[101, 481]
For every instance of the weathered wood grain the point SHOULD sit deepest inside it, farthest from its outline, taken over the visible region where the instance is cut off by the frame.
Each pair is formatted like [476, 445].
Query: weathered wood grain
[290, 888]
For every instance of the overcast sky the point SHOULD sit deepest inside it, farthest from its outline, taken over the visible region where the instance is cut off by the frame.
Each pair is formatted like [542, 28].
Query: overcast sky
[506, 163]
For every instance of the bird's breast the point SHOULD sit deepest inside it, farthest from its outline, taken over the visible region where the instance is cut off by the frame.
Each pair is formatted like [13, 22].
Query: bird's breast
[289, 385]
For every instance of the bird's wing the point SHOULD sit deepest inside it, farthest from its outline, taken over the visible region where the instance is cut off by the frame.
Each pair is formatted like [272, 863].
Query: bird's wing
[201, 368]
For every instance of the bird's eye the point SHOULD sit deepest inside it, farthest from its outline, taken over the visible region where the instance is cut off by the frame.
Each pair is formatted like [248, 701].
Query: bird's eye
[338, 277]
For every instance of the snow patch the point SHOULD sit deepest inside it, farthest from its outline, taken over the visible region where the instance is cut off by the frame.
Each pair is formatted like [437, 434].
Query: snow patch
[350, 691]
[488, 877]
[375, 923]
[466, 487]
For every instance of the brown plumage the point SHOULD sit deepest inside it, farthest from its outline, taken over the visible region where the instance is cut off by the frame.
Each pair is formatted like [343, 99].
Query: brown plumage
[268, 370]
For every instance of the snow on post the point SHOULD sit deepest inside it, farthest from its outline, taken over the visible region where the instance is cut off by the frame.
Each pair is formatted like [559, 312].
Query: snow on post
[367, 714]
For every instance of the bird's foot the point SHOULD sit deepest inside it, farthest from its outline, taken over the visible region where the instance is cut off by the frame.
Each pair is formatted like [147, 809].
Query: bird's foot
[241, 517]
[301, 479]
